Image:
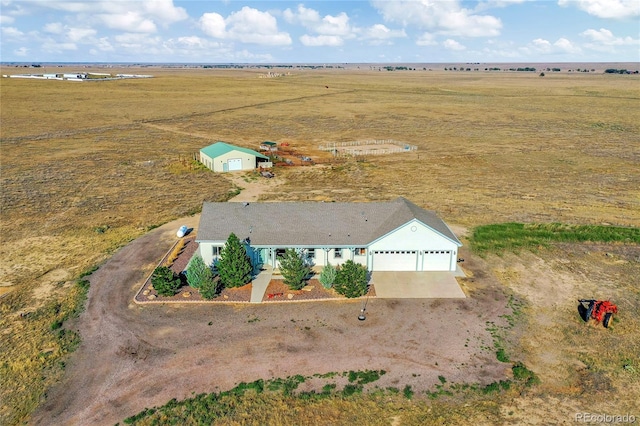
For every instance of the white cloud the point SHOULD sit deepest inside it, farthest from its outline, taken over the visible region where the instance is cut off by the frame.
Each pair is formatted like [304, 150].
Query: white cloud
[141, 16]
[12, 33]
[54, 46]
[73, 34]
[616, 9]
[426, 39]
[494, 4]
[130, 22]
[443, 17]
[213, 24]
[21, 51]
[380, 33]
[247, 25]
[560, 46]
[606, 38]
[164, 11]
[542, 45]
[321, 40]
[453, 45]
[5, 19]
[104, 45]
[79, 34]
[54, 28]
[330, 30]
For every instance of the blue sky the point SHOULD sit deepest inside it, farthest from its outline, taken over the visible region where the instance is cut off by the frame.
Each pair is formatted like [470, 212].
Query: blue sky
[389, 31]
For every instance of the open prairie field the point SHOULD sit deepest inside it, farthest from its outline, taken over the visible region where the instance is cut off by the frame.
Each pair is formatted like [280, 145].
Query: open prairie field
[88, 167]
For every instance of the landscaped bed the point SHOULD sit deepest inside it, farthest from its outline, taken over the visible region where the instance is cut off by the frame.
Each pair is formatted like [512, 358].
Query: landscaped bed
[277, 290]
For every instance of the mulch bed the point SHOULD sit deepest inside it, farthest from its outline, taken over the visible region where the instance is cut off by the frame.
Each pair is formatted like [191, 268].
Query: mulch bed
[190, 247]
[277, 290]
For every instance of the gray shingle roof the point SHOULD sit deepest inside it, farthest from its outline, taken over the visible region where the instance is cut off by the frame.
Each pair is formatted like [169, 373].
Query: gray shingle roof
[312, 223]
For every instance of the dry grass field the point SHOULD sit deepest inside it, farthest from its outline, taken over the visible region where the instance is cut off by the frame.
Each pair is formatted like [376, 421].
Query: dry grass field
[86, 168]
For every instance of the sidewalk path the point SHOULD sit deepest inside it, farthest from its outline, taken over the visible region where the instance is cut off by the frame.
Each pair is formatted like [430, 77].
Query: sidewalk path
[260, 283]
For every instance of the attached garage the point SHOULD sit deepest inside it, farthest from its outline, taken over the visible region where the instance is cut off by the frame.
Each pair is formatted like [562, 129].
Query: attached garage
[436, 260]
[395, 260]
[420, 244]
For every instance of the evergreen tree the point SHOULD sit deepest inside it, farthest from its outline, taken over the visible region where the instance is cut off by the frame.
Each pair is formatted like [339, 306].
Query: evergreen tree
[327, 275]
[351, 279]
[234, 266]
[198, 272]
[210, 289]
[165, 281]
[294, 269]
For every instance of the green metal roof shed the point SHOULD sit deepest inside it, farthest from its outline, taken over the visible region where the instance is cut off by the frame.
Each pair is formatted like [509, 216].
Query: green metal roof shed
[223, 157]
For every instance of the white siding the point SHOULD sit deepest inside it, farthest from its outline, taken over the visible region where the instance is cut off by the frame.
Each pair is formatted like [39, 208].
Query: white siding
[414, 236]
[217, 164]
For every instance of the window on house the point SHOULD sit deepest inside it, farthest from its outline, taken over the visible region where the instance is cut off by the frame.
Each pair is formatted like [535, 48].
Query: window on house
[337, 253]
[280, 252]
[216, 251]
[311, 253]
[361, 251]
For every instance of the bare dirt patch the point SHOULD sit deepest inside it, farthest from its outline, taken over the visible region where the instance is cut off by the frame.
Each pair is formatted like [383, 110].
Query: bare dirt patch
[141, 356]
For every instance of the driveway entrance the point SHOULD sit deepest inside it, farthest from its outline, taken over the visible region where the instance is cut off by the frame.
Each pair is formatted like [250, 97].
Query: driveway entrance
[416, 285]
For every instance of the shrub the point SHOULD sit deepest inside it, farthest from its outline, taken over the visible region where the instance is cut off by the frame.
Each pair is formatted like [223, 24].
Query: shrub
[210, 288]
[234, 266]
[165, 281]
[294, 269]
[351, 279]
[198, 273]
[175, 253]
[407, 392]
[327, 276]
[522, 374]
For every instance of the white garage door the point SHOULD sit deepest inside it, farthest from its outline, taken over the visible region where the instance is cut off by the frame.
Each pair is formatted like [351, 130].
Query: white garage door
[395, 260]
[235, 164]
[436, 260]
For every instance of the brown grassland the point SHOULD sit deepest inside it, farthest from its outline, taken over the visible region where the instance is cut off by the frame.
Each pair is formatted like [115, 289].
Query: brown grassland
[86, 168]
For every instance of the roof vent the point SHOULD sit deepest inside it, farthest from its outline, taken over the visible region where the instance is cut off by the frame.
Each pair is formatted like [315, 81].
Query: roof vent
[245, 204]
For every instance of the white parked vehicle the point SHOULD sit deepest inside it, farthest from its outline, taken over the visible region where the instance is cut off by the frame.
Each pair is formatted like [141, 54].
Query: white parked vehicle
[182, 231]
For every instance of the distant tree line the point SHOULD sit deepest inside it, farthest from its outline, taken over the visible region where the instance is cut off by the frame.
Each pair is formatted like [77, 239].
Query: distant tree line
[617, 71]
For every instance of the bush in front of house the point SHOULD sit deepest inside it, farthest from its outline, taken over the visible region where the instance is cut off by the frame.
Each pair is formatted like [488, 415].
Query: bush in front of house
[198, 273]
[327, 276]
[234, 266]
[165, 281]
[294, 269]
[351, 279]
[210, 289]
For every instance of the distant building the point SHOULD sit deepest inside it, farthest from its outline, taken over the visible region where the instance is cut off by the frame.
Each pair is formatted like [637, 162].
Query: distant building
[269, 146]
[223, 157]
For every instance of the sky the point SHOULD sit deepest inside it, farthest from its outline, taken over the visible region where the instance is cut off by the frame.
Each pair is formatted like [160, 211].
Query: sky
[377, 31]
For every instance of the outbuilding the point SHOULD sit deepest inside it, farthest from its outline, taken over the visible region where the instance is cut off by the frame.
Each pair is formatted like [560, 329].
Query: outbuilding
[223, 157]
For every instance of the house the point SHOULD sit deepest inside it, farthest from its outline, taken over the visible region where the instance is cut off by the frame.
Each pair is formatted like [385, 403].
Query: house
[223, 157]
[384, 236]
[269, 146]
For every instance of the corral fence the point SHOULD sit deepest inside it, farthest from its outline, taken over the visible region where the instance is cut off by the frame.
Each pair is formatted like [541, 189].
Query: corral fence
[367, 147]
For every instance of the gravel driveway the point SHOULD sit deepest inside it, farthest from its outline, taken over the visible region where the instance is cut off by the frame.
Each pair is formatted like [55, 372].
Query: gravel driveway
[136, 356]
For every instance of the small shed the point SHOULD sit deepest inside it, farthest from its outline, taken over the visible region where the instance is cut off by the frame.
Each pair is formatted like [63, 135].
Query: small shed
[223, 157]
[269, 146]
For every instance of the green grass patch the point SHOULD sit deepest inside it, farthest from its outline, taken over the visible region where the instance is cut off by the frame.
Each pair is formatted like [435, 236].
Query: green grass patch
[366, 376]
[498, 238]
[523, 375]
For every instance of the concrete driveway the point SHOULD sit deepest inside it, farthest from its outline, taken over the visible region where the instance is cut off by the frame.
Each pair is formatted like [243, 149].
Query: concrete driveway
[416, 285]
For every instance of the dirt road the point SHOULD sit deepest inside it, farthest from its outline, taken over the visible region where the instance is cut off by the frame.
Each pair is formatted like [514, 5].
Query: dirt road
[133, 356]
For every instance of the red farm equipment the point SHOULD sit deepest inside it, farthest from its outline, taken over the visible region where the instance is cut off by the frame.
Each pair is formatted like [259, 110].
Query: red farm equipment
[600, 310]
